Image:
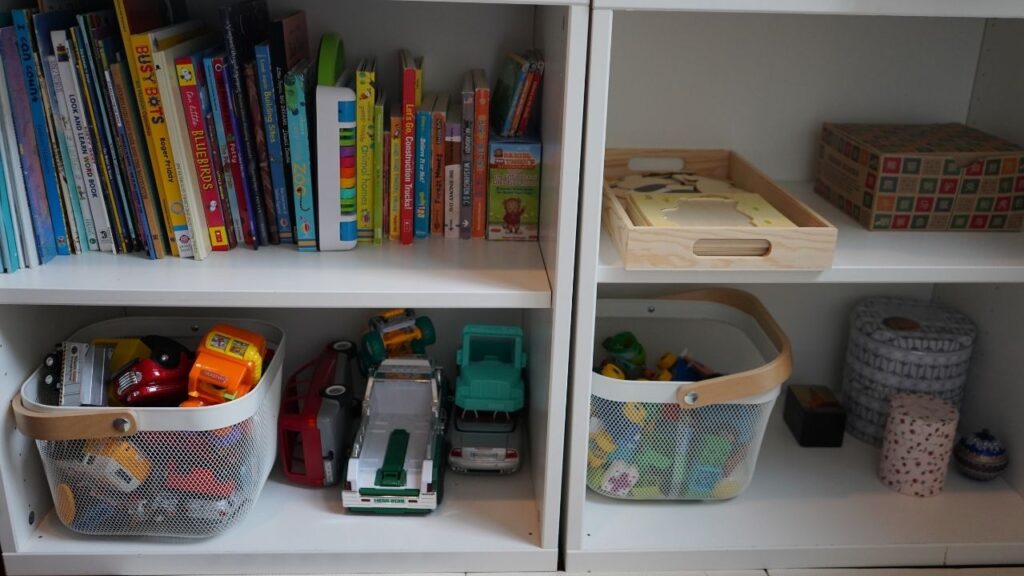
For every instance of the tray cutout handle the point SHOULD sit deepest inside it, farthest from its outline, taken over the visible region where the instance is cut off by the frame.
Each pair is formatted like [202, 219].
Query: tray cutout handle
[752, 383]
[73, 424]
[656, 165]
[722, 247]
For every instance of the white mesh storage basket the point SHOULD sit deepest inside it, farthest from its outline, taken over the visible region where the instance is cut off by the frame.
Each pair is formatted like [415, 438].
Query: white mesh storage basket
[653, 440]
[182, 472]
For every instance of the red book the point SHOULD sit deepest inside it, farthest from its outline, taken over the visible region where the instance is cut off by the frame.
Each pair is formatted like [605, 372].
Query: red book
[232, 161]
[440, 117]
[195, 122]
[531, 98]
[412, 78]
[481, 133]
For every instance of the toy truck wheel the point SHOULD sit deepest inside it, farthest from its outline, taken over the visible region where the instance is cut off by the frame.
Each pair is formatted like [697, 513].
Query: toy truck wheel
[426, 326]
[347, 347]
[374, 351]
[335, 392]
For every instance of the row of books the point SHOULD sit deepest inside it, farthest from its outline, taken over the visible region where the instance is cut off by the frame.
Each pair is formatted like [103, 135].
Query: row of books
[129, 128]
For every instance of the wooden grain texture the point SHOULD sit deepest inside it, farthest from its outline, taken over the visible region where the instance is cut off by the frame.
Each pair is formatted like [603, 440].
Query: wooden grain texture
[748, 384]
[810, 246]
[71, 425]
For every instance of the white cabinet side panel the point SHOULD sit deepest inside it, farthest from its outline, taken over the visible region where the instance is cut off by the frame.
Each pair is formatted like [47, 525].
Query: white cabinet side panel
[763, 84]
[999, 85]
[27, 333]
[994, 395]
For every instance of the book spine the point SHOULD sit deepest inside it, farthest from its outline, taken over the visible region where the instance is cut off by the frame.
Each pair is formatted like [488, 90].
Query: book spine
[380, 158]
[160, 154]
[424, 136]
[83, 228]
[279, 68]
[408, 153]
[117, 203]
[437, 170]
[199, 142]
[10, 174]
[240, 75]
[83, 144]
[296, 90]
[120, 133]
[481, 132]
[272, 133]
[235, 159]
[261, 159]
[366, 98]
[468, 134]
[25, 237]
[395, 180]
[220, 183]
[8, 234]
[51, 192]
[452, 179]
[120, 80]
[531, 102]
[229, 198]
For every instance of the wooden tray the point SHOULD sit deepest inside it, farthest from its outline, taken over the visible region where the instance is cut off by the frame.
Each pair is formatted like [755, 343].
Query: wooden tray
[809, 246]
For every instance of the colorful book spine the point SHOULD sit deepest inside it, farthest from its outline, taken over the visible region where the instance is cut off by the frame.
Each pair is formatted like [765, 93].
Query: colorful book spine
[199, 141]
[366, 100]
[411, 96]
[437, 165]
[381, 155]
[8, 233]
[395, 175]
[336, 187]
[452, 171]
[244, 193]
[272, 134]
[468, 134]
[266, 204]
[159, 142]
[10, 174]
[481, 133]
[296, 89]
[536, 74]
[83, 148]
[215, 123]
[30, 70]
[120, 79]
[289, 46]
[14, 172]
[424, 159]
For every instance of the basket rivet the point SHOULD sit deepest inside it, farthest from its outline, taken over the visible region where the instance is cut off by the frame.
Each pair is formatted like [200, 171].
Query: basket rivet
[651, 309]
[691, 398]
[122, 425]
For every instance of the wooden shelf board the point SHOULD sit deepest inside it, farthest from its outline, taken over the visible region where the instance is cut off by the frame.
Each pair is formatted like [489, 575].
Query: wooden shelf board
[807, 507]
[433, 273]
[861, 256]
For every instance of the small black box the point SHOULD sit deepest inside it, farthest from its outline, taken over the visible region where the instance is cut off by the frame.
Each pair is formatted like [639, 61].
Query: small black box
[814, 416]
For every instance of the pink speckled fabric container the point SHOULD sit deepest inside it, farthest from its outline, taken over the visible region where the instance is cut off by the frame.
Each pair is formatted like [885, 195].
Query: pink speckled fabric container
[920, 433]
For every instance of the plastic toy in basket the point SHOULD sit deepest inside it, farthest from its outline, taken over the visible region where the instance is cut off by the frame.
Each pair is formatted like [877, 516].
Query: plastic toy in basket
[690, 440]
[156, 471]
[229, 362]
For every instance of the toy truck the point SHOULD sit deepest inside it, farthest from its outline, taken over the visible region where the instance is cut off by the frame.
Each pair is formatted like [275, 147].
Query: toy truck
[396, 461]
[487, 432]
[397, 332]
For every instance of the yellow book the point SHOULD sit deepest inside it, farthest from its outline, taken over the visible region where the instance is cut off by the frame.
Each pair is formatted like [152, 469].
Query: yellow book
[366, 98]
[158, 138]
[395, 176]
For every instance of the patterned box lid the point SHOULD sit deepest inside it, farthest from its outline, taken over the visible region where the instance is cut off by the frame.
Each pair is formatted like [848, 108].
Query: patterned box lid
[924, 138]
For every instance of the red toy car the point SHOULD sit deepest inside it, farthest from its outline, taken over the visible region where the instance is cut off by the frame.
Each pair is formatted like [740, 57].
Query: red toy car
[159, 380]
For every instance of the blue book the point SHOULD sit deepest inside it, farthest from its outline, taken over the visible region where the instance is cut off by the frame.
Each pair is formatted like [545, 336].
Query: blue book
[272, 133]
[296, 90]
[422, 182]
[8, 242]
[29, 67]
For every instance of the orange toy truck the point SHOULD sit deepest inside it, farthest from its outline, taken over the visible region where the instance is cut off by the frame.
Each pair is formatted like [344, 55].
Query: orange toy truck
[229, 363]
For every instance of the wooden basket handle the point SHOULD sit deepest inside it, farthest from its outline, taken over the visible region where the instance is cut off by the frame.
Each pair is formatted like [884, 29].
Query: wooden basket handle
[74, 424]
[732, 387]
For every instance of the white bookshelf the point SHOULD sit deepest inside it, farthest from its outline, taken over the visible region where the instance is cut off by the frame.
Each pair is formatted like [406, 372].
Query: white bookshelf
[760, 78]
[486, 524]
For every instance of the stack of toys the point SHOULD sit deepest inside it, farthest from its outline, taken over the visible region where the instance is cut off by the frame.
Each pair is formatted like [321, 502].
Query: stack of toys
[654, 450]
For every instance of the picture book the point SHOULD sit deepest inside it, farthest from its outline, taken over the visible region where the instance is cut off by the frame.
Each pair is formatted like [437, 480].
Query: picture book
[453, 170]
[274, 146]
[289, 45]
[48, 204]
[381, 155]
[336, 188]
[194, 110]
[424, 161]
[219, 148]
[245, 24]
[366, 100]
[245, 193]
[481, 132]
[437, 165]
[507, 98]
[10, 173]
[296, 88]
[13, 168]
[513, 188]
[395, 174]
[262, 158]
[8, 231]
[468, 134]
[412, 82]
[526, 122]
[181, 150]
